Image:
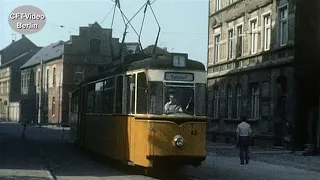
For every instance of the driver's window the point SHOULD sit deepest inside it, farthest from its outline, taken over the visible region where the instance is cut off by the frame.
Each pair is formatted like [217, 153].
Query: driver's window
[179, 100]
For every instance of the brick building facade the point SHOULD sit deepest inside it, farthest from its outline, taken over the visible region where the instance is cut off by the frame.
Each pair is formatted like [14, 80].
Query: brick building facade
[64, 65]
[250, 68]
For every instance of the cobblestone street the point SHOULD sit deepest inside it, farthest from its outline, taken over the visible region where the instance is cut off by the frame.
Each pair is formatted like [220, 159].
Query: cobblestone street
[44, 155]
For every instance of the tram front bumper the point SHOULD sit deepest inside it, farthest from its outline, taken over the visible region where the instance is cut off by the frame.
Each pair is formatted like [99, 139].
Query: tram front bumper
[177, 159]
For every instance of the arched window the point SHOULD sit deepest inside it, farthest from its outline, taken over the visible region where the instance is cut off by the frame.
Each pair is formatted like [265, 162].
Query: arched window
[229, 101]
[216, 96]
[255, 100]
[238, 93]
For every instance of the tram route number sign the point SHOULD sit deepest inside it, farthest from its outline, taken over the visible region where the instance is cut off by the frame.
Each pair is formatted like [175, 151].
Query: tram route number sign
[175, 76]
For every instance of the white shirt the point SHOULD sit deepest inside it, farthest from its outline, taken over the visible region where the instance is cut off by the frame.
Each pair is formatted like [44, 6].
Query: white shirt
[172, 108]
[244, 129]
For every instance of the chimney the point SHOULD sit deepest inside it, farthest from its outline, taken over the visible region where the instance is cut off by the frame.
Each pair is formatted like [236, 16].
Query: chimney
[23, 36]
[12, 41]
[165, 48]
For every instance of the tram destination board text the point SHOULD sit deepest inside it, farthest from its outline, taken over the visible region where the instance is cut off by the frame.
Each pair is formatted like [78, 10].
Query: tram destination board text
[177, 76]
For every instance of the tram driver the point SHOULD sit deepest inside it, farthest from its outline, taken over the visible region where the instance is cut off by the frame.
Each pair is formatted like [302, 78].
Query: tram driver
[172, 106]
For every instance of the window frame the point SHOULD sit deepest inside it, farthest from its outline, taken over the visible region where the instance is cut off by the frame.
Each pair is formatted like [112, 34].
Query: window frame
[253, 33]
[255, 101]
[281, 21]
[54, 77]
[216, 48]
[231, 43]
[216, 102]
[266, 33]
[238, 36]
[217, 5]
[238, 100]
[53, 106]
[229, 96]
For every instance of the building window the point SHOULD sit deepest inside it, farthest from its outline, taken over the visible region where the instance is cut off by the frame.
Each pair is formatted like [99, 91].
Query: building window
[217, 5]
[239, 41]
[22, 79]
[230, 44]
[229, 102]
[28, 80]
[39, 78]
[216, 102]
[238, 100]
[254, 36]
[78, 74]
[255, 101]
[53, 109]
[266, 32]
[54, 77]
[216, 48]
[283, 25]
[47, 79]
[5, 90]
[95, 46]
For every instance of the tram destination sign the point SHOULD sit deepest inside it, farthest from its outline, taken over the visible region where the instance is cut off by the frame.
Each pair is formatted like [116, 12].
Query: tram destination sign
[177, 76]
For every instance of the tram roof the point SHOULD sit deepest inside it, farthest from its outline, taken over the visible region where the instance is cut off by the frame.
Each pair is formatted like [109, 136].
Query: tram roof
[140, 61]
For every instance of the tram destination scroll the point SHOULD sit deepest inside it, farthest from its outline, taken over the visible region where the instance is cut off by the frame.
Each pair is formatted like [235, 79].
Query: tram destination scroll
[178, 76]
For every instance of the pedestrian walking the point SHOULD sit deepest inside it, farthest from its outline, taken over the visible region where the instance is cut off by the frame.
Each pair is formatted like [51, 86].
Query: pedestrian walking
[243, 139]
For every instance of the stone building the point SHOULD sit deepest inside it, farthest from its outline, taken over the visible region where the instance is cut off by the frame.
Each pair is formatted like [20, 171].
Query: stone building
[11, 58]
[57, 68]
[250, 68]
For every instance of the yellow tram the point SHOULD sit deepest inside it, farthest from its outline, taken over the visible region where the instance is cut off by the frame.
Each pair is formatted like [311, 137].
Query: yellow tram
[145, 112]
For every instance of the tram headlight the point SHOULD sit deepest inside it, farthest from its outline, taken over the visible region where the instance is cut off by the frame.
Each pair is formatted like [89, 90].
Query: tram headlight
[178, 141]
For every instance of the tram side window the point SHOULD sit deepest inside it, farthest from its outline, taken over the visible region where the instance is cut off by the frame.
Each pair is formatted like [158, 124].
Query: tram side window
[142, 96]
[90, 98]
[200, 99]
[131, 93]
[108, 96]
[98, 96]
[119, 89]
[156, 98]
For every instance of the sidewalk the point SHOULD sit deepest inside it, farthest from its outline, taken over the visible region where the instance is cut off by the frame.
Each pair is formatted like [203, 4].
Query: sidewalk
[268, 155]
[253, 149]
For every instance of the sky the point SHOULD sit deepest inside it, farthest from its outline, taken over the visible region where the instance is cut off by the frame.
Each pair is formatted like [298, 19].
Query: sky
[184, 23]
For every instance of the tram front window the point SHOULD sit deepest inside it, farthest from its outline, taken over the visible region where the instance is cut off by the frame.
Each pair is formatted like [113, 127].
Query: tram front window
[179, 100]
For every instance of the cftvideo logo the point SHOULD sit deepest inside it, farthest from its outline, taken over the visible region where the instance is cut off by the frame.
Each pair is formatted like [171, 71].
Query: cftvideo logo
[27, 19]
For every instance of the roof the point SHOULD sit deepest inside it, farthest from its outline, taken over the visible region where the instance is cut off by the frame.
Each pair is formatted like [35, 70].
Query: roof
[16, 44]
[16, 48]
[51, 52]
[149, 50]
[25, 56]
[132, 46]
[159, 62]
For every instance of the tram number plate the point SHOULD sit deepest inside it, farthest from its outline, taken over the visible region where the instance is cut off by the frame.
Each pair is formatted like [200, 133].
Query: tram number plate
[194, 132]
